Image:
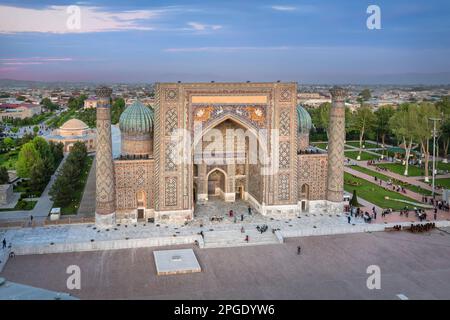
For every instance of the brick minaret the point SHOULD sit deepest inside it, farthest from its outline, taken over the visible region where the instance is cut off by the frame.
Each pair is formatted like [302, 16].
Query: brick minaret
[336, 136]
[105, 206]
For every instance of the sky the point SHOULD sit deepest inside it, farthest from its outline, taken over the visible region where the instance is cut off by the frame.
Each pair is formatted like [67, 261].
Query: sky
[312, 42]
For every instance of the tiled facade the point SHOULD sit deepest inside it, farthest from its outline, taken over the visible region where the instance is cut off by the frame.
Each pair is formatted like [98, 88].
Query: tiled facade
[279, 180]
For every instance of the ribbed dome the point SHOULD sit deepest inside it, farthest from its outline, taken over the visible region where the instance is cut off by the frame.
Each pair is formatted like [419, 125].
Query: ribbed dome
[136, 118]
[74, 124]
[304, 120]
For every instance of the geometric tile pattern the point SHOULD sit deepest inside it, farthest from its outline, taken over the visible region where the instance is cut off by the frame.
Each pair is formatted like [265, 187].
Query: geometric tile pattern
[284, 155]
[133, 177]
[312, 170]
[285, 123]
[105, 189]
[283, 187]
[285, 95]
[170, 154]
[171, 191]
[171, 122]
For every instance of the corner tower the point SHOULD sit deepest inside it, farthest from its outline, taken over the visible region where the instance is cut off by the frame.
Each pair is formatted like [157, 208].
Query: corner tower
[335, 173]
[105, 206]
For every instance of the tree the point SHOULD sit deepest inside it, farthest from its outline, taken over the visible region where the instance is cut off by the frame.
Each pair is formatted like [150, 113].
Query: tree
[9, 143]
[36, 129]
[117, 108]
[46, 102]
[363, 121]
[14, 130]
[445, 135]
[403, 124]
[76, 103]
[354, 200]
[383, 115]
[28, 156]
[365, 94]
[38, 178]
[4, 177]
[43, 147]
[57, 150]
[323, 115]
[423, 130]
[63, 190]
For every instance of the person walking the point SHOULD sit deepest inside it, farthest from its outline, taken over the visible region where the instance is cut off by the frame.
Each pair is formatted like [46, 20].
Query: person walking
[249, 210]
[242, 217]
[435, 213]
[4, 243]
[246, 239]
[299, 250]
[349, 219]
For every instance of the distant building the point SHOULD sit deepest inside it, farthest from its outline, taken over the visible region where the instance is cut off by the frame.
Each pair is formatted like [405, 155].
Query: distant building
[90, 103]
[19, 110]
[73, 131]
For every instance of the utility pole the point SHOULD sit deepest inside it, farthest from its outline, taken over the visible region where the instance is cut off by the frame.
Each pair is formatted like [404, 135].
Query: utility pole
[434, 152]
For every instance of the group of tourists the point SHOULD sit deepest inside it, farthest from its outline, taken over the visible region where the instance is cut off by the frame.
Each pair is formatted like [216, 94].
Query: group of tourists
[422, 227]
[262, 229]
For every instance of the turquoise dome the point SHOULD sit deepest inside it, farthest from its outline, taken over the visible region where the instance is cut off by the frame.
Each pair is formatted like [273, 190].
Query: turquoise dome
[137, 119]
[304, 120]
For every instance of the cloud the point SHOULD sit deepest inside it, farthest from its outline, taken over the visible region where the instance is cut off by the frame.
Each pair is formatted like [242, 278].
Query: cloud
[31, 61]
[289, 8]
[73, 19]
[203, 27]
[225, 49]
[284, 8]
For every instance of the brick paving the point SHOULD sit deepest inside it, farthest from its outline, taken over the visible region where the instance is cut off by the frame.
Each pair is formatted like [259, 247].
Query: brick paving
[330, 267]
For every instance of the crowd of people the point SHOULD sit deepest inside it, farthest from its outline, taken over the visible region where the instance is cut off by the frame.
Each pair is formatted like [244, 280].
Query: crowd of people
[422, 227]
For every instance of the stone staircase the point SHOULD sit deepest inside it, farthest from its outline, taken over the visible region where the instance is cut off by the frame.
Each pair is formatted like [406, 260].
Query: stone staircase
[234, 238]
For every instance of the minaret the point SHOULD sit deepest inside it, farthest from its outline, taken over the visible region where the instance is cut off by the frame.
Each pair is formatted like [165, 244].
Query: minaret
[105, 207]
[336, 136]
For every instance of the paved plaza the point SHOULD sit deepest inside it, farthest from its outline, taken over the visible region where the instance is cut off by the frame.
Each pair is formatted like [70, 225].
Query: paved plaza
[81, 233]
[329, 267]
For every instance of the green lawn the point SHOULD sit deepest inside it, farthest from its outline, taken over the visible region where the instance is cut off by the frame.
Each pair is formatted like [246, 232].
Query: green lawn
[413, 188]
[321, 145]
[72, 208]
[374, 193]
[443, 183]
[440, 165]
[364, 155]
[356, 144]
[22, 205]
[9, 159]
[398, 168]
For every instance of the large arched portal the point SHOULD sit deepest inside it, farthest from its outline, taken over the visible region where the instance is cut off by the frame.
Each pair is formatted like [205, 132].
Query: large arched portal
[226, 155]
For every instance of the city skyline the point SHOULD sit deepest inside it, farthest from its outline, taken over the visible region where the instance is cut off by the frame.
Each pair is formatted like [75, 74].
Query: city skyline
[304, 41]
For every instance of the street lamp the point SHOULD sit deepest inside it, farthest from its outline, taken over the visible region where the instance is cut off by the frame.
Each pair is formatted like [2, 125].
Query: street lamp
[434, 151]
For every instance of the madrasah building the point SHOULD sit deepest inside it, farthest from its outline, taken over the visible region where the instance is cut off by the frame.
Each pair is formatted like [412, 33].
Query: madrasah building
[167, 166]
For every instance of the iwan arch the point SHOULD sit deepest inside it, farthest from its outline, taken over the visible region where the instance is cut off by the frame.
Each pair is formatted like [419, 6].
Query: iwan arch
[272, 167]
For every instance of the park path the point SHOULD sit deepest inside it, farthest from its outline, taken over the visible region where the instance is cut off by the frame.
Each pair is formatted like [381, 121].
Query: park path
[409, 193]
[394, 217]
[411, 180]
[87, 204]
[41, 209]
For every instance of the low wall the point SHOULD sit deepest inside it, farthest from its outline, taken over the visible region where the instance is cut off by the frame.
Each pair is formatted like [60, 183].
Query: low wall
[106, 245]
[351, 229]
